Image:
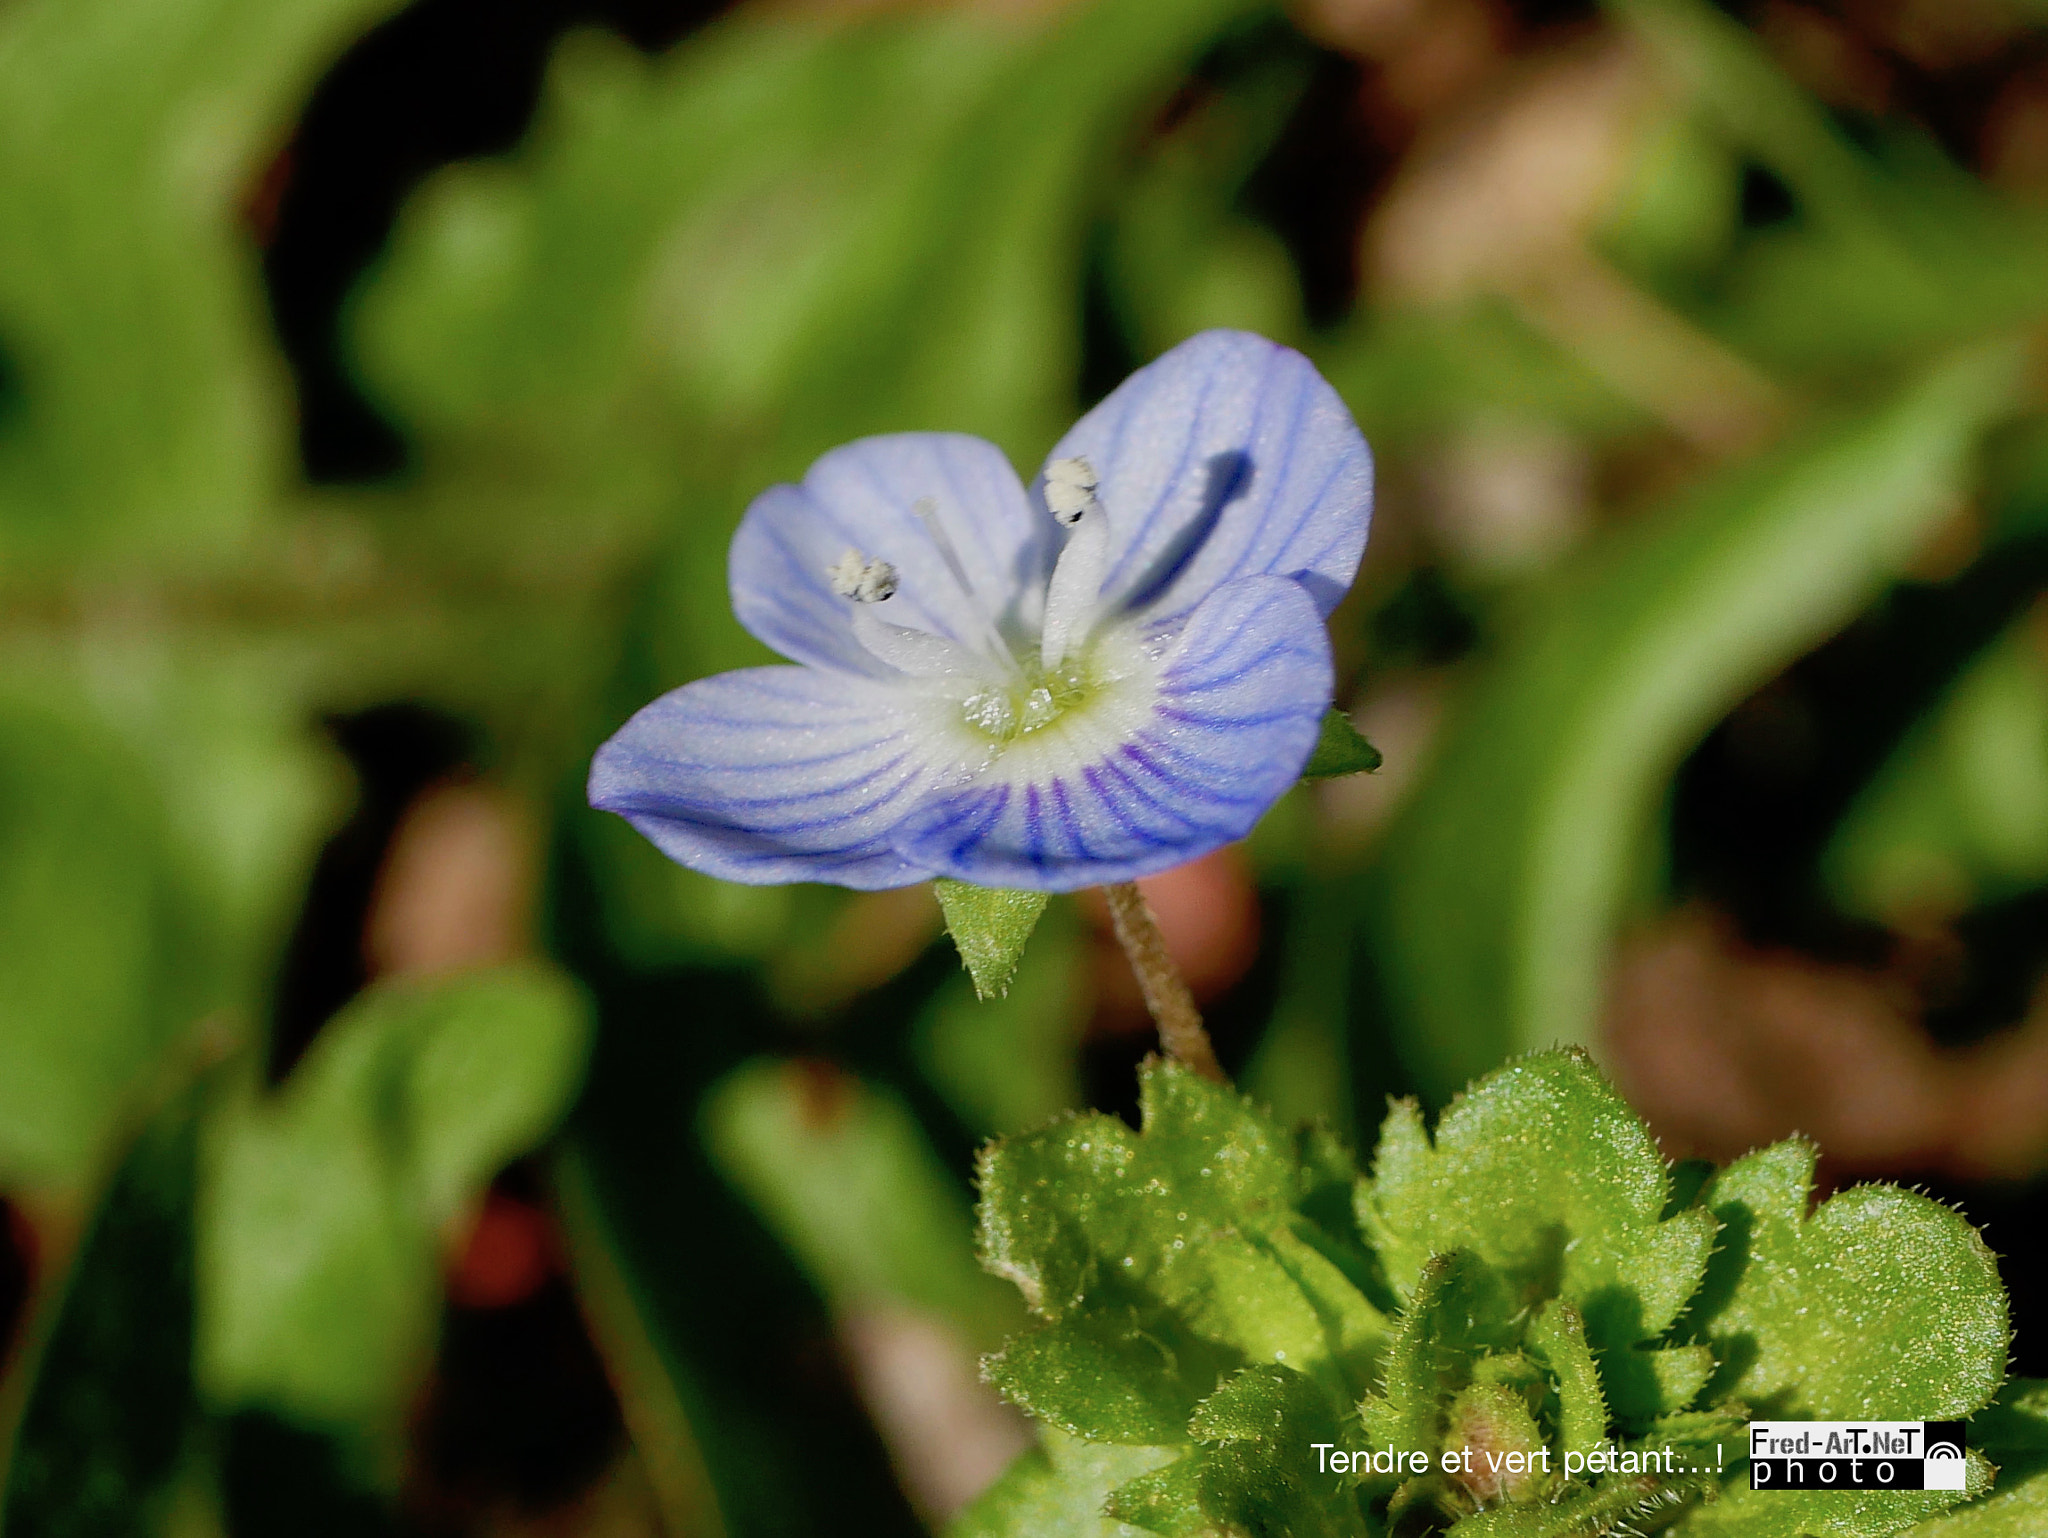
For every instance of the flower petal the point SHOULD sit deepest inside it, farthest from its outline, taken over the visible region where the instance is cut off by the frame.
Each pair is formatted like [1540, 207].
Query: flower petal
[1226, 457]
[865, 496]
[770, 775]
[1239, 701]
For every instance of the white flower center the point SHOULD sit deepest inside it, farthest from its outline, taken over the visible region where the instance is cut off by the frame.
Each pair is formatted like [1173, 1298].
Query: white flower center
[1004, 697]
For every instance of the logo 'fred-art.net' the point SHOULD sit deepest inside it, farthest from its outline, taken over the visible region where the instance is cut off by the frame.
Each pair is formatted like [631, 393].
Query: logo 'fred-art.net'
[1856, 1455]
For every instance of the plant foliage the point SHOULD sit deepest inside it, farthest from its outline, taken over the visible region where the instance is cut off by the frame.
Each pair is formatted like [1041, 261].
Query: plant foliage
[1524, 1321]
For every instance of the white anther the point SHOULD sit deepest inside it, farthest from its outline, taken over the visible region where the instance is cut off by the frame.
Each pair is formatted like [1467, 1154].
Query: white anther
[864, 581]
[1070, 487]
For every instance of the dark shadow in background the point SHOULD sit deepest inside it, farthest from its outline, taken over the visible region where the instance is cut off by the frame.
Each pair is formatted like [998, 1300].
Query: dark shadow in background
[397, 751]
[520, 1410]
[1756, 803]
[444, 80]
[747, 1340]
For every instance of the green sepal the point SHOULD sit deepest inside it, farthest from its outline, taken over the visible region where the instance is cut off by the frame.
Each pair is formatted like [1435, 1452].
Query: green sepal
[1559, 1332]
[990, 925]
[1340, 750]
[1459, 1309]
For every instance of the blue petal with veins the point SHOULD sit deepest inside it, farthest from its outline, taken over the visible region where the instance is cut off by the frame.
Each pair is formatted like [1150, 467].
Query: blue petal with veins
[986, 695]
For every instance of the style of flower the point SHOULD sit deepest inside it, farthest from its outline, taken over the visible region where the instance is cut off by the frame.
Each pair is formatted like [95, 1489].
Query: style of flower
[1107, 676]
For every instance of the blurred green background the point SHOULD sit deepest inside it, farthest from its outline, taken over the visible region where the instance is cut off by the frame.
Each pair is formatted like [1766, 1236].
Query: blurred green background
[389, 1144]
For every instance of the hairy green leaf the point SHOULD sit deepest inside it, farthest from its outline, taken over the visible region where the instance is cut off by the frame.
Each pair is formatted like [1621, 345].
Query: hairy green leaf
[1559, 1333]
[1556, 1296]
[1114, 1374]
[1543, 1171]
[1058, 1491]
[1825, 1316]
[2013, 1433]
[991, 926]
[1745, 1513]
[1457, 1310]
[1192, 1235]
[1250, 1474]
[1617, 1506]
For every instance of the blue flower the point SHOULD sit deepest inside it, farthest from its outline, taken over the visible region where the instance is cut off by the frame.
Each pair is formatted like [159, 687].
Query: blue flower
[1109, 675]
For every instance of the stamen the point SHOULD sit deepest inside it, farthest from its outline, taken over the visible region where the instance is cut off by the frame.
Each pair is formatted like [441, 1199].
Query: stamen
[914, 652]
[920, 653]
[1076, 587]
[864, 581]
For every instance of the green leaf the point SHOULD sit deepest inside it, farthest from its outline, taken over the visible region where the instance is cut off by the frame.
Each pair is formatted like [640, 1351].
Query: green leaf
[1503, 878]
[326, 1205]
[1612, 1507]
[1825, 1316]
[1340, 750]
[1120, 1375]
[1958, 815]
[1057, 1491]
[1556, 1295]
[1194, 1235]
[151, 421]
[1745, 1513]
[991, 926]
[1251, 1474]
[1457, 1309]
[1543, 1171]
[2013, 1433]
[843, 1174]
[1167, 1500]
[88, 922]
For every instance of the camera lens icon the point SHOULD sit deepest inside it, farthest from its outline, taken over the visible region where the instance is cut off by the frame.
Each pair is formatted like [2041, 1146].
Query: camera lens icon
[1944, 1466]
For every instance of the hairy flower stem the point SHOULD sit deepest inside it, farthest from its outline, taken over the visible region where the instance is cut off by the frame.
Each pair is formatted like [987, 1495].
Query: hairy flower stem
[1166, 991]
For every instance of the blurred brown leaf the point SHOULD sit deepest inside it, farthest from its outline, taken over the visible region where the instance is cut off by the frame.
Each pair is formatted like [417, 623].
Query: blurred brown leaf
[1724, 1047]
